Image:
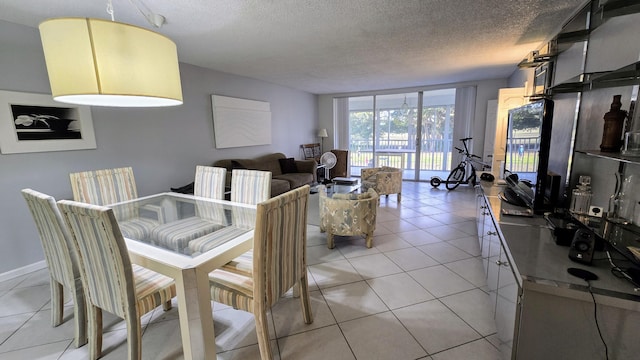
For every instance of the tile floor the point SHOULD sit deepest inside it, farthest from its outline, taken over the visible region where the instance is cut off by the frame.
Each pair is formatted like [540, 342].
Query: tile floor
[419, 293]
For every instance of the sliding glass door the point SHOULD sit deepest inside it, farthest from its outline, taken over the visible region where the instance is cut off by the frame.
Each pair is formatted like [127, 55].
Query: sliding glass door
[384, 131]
[436, 135]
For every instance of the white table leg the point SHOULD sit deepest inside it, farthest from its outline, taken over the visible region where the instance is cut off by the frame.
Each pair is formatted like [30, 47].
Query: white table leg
[196, 319]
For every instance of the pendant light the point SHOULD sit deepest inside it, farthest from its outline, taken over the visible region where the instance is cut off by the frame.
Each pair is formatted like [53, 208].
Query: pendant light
[108, 63]
[404, 108]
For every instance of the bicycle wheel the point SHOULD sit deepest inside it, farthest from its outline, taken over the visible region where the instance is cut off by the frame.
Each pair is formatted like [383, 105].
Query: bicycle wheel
[455, 178]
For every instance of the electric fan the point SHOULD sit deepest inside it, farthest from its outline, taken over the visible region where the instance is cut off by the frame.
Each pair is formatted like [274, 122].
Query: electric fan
[329, 160]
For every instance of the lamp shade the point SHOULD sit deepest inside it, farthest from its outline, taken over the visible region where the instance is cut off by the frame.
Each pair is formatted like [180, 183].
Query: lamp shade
[323, 133]
[107, 63]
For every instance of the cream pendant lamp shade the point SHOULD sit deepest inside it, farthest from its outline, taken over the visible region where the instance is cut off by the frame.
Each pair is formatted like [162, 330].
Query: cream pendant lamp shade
[107, 63]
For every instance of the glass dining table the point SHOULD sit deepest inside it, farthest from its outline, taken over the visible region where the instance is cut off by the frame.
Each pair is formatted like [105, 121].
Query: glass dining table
[186, 237]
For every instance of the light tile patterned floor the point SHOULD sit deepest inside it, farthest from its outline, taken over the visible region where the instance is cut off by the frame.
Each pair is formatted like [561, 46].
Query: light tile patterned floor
[417, 294]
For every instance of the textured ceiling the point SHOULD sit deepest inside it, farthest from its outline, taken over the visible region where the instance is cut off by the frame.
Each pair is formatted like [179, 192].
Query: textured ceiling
[337, 46]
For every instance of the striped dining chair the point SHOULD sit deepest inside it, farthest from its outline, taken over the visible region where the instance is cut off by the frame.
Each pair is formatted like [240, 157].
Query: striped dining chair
[250, 186]
[110, 281]
[110, 186]
[278, 264]
[61, 260]
[209, 182]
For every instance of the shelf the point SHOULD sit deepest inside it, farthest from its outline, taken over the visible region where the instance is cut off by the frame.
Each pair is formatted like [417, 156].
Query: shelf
[611, 156]
[613, 8]
[578, 83]
[625, 76]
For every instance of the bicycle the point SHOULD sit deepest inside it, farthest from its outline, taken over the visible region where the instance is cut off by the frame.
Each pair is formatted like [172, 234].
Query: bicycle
[457, 175]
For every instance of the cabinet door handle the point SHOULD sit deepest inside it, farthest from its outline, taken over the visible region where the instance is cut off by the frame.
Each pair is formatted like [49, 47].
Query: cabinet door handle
[492, 233]
[502, 263]
[485, 213]
[483, 207]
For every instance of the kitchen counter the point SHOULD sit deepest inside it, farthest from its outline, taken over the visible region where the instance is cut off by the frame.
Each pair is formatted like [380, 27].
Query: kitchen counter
[551, 314]
[537, 258]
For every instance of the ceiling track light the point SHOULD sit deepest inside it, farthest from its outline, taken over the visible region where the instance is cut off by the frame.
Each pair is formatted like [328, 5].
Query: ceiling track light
[108, 63]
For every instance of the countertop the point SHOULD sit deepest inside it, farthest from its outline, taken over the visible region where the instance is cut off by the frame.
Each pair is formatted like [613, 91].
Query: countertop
[540, 263]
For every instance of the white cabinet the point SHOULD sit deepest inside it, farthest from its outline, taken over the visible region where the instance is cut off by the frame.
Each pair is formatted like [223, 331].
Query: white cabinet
[504, 292]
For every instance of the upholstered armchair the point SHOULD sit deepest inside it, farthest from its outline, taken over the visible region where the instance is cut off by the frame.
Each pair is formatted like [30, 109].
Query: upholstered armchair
[348, 214]
[384, 180]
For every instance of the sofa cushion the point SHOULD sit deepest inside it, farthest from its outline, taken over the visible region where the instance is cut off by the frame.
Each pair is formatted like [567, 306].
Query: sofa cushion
[295, 180]
[279, 186]
[288, 165]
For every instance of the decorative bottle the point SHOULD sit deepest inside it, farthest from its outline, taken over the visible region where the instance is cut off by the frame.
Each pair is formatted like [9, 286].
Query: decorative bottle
[581, 196]
[613, 126]
[620, 204]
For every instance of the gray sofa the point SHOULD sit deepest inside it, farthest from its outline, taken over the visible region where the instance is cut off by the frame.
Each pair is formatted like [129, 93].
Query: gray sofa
[281, 182]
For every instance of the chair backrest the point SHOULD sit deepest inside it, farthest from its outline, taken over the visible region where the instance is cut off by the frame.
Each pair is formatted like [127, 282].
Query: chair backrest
[209, 182]
[342, 162]
[57, 244]
[311, 151]
[103, 187]
[250, 186]
[104, 261]
[279, 244]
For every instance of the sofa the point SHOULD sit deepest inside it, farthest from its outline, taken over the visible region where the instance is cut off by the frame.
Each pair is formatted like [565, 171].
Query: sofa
[286, 173]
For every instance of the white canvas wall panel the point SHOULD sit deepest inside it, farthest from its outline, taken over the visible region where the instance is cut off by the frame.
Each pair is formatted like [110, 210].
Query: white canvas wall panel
[240, 122]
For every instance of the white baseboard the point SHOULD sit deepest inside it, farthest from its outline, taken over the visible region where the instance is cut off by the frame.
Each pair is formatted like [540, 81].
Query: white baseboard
[23, 270]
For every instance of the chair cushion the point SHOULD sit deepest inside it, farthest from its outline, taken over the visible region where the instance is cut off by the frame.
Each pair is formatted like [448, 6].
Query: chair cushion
[288, 165]
[138, 228]
[152, 288]
[233, 289]
[209, 241]
[351, 196]
[176, 235]
[242, 265]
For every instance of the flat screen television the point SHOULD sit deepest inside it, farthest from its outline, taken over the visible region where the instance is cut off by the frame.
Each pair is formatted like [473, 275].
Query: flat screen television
[527, 148]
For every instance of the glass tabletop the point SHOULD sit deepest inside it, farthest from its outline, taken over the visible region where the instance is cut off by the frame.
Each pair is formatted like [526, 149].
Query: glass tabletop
[183, 224]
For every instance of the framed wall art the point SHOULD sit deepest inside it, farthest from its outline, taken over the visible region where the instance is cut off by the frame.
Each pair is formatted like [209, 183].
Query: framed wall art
[240, 122]
[36, 123]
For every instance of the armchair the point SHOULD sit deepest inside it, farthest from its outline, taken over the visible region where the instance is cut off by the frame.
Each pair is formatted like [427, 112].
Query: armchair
[348, 214]
[384, 180]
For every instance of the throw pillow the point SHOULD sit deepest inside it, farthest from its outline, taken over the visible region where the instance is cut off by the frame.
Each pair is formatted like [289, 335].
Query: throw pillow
[237, 165]
[288, 165]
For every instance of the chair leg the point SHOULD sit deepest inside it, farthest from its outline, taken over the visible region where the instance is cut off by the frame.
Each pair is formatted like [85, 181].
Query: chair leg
[399, 197]
[167, 305]
[262, 330]
[369, 240]
[296, 290]
[134, 337]
[80, 315]
[330, 243]
[95, 331]
[305, 299]
[57, 302]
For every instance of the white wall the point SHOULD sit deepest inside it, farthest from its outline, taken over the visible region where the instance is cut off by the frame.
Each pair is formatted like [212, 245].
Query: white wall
[162, 145]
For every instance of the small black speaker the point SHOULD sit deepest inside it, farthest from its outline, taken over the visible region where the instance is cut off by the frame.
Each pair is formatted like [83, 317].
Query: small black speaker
[582, 246]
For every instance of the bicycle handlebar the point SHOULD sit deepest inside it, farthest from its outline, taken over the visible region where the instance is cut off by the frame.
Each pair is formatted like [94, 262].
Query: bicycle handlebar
[465, 139]
[476, 156]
